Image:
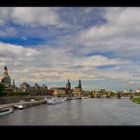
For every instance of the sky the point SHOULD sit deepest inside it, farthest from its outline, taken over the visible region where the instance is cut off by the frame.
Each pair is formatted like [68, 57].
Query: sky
[48, 45]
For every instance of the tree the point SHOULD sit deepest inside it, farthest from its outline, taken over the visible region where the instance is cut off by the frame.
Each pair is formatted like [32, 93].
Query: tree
[1, 89]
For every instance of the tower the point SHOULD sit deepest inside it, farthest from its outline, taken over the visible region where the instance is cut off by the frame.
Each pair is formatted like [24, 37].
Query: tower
[80, 85]
[68, 85]
[6, 80]
[14, 83]
[5, 72]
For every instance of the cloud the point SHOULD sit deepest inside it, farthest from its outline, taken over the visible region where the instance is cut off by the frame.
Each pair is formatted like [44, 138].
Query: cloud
[31, 16]
[45, 63]
[35, 16]
[120, 34]
[65, 53]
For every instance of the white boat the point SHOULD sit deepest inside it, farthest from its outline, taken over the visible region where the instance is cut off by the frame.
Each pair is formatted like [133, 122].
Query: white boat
[54, 101]
[32, 100]
[5, 111]
[20, 107]
[65, 98]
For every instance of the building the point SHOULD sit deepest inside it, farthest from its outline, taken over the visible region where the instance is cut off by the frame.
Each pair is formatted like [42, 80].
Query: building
[68, 89]
[44, 90]
[24, 87]
[34, 90]
[78, 89]
[138, 90]
[58, 90]
[61, 90]
[128, 91]
[68, 85]
[6, 80]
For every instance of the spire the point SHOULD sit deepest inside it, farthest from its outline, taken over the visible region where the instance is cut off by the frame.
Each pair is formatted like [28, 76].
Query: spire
[80, 85]
[5, 71]
[5, 68]
[13, 83]
[68, 85]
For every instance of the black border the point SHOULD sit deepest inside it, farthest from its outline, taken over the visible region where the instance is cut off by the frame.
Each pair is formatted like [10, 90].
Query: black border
[47, 129]
[70, 3]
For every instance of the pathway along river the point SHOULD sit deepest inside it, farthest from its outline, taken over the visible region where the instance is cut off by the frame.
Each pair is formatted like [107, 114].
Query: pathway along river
[78, 112]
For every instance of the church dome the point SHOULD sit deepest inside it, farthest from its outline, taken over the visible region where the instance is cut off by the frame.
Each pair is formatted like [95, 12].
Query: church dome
[6, 80]
[5, 68]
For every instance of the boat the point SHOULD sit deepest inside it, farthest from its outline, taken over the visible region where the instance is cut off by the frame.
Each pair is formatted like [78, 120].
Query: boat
[65, 98]
[20, 106]
[54, 101]
[5, 111]
[32, 100]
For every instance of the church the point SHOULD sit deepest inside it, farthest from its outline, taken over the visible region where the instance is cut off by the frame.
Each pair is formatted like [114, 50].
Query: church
[6, 80]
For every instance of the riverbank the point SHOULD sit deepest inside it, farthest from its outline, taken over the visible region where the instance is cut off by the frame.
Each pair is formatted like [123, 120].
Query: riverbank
[15, 99]
[23, 104]
[136, 100]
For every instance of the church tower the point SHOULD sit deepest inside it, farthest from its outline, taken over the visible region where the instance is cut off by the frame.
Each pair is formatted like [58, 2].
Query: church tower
[68, 85]
[5, 72]
[80, 84]
[6, 80]
[13, 83]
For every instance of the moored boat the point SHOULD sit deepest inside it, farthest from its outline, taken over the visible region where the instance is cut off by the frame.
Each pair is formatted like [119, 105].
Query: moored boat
[20, 106]
[54, 101]
[65, 98]
[5, 111]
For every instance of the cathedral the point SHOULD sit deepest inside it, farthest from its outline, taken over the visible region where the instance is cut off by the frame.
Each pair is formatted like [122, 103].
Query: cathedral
[6, 80]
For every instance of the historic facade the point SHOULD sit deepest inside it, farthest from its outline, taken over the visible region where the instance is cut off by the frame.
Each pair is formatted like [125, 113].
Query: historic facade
[24, 87]
[34, 90]
[58, 90]
[61, 90]
[78, 89]
[6, 80]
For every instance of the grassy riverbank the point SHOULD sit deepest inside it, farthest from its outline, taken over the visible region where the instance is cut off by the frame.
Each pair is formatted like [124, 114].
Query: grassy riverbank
[136, 100]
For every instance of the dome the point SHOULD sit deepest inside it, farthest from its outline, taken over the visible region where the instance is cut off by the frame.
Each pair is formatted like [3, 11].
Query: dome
[6, 80]
[5, 68]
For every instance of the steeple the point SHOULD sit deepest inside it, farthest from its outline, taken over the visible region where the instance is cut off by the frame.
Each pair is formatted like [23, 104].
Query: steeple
[68, 85]
[5, 71]
[13, 83]
[6, 80]
[80, 85]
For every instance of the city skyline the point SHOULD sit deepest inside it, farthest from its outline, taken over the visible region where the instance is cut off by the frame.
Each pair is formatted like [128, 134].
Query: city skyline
[48, 46]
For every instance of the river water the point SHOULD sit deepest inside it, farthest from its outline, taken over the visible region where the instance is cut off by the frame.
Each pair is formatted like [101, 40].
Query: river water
[78, 112]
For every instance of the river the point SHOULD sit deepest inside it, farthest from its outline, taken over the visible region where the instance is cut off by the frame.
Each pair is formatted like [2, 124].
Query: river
[78, 112]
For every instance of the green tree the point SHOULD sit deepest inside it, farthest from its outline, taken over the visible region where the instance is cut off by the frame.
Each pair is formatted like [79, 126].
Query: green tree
[1, 89]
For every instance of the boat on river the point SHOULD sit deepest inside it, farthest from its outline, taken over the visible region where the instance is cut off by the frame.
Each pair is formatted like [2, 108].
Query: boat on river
[21, 106]
[54, 101]
[5, 111]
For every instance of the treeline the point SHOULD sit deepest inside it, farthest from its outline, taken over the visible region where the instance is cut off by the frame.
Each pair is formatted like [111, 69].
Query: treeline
[14, 93]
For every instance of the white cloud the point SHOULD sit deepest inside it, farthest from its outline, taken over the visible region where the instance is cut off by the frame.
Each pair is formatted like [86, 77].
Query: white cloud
[98, 60]
[48, 64]
[31, 16]
[120, 34]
